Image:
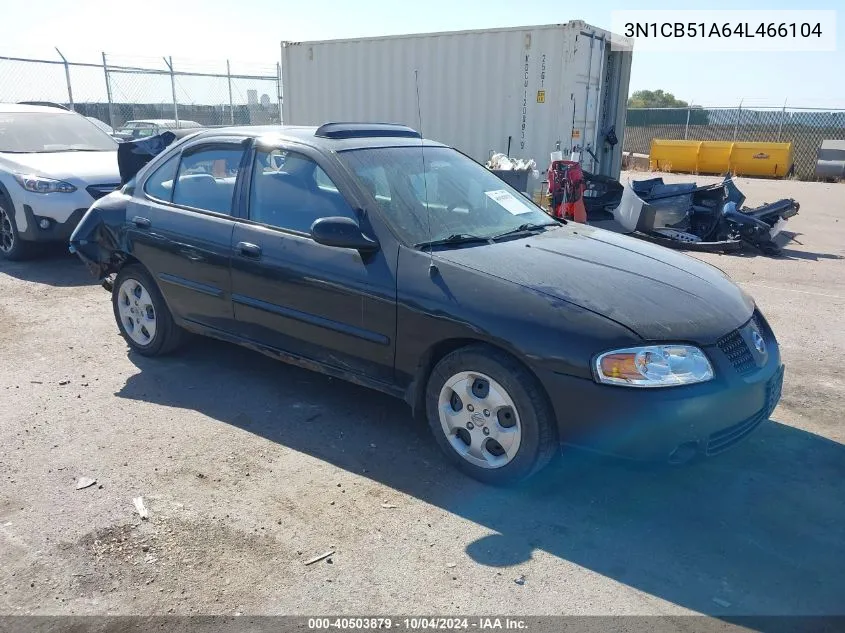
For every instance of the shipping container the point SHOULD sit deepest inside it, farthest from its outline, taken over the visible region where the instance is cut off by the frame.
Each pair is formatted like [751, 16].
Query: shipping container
[533, 89]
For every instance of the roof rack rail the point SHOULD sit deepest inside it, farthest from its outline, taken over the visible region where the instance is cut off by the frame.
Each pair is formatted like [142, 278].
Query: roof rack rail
[365, 130]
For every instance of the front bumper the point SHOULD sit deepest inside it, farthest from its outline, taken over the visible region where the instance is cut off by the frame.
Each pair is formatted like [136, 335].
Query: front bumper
[673, 424]
[56, 231]
[61, 211]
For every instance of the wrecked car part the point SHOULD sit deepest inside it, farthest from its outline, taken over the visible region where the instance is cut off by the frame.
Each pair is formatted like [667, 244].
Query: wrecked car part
[601, 195]
[777, 228]
[724, 246]
[133, 155]
[100, 239]
[672, 234]
[700, 218]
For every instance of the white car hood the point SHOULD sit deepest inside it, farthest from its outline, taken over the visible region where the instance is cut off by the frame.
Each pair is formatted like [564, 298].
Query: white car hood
[89, 168]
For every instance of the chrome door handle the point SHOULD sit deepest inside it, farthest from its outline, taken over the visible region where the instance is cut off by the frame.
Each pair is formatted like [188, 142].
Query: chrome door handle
[247, 249]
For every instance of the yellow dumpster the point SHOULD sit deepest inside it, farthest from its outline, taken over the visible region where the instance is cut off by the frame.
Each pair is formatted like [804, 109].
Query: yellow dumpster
[719, 157]
[674, 155]
[761, 159]
[714, 157]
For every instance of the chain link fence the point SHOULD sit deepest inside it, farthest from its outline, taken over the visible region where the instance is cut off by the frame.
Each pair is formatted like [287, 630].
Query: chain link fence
[120, 89]
[805, 128]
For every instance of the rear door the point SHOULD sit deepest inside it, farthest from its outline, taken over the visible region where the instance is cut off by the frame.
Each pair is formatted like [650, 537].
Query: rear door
[333, 305]
[182, 228]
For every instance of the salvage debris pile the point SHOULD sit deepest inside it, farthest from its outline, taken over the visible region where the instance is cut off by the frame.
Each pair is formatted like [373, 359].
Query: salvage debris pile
[501, 162]
[701, 218]
[684, 215]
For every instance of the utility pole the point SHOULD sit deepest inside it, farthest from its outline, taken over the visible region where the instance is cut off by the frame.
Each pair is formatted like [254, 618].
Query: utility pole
[231, 103]
[67, 78]
[169, 62]
[108, 91]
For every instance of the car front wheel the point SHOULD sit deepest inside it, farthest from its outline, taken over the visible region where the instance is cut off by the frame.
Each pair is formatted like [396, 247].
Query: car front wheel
[12, 247]
[490, 415]
[142, 315]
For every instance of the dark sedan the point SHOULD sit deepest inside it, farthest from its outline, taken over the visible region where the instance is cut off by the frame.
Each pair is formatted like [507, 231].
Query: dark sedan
[370, 254]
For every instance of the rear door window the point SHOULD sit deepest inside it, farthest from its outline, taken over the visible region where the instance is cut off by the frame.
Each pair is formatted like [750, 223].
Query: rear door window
[206, 178]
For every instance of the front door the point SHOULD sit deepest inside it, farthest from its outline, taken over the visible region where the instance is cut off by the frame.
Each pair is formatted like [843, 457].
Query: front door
[332, 305]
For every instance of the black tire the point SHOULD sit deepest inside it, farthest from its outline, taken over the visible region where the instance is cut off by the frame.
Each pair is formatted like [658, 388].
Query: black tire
[168, 336]
[539, 441]
[12, 247]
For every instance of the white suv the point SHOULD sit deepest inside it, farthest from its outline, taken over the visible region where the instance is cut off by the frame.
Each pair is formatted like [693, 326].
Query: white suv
[53, 165]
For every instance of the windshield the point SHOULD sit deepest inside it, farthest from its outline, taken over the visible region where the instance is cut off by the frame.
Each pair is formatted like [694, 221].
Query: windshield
[453, 195]
[31, 132]
[105, 127]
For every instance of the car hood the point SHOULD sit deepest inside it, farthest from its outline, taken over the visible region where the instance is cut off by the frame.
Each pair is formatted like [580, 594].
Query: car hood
[657, 293]
[75, 167]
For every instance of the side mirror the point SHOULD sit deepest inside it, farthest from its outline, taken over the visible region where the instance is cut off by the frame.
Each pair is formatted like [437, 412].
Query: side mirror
[342, 233]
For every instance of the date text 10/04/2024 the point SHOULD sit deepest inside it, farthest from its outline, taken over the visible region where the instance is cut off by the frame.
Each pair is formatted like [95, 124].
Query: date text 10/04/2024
[724, 30]
[418, 623]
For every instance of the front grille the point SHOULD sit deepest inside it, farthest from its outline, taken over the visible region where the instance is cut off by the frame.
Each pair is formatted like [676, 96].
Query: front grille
[724, 439]
[734, 347]
[98, 191]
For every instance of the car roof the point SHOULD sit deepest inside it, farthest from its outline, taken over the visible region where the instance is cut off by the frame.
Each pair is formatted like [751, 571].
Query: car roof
[306, 135]
[161, 121]
[8, 108]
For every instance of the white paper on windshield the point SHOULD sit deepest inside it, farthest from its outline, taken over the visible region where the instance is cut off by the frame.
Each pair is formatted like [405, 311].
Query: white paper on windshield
[509, 201]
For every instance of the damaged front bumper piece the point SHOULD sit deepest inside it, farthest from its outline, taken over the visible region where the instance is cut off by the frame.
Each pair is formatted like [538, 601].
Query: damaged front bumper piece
[709, 218]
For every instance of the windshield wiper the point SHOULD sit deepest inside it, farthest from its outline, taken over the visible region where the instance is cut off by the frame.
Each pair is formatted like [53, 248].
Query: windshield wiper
[454, 239]
[525, 228]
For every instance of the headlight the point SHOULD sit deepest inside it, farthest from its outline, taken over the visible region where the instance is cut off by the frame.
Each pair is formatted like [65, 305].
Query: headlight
[654, 366]
[39, 184]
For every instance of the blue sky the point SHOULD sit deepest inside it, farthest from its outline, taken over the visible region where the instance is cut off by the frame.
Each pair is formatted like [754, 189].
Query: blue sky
[250, 30]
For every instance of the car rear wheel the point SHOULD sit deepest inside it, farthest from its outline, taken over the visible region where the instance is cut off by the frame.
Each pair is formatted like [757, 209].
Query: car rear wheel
[490, 415]
[142, 315]
[12, 247]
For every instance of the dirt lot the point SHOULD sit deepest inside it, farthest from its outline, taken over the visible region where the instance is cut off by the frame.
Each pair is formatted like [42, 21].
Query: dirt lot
[250, 467]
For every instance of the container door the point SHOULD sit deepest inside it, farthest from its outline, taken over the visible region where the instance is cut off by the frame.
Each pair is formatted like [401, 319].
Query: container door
[613, 108]
[589, 60]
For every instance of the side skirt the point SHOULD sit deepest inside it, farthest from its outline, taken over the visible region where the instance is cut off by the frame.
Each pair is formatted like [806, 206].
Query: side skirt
[293, 359]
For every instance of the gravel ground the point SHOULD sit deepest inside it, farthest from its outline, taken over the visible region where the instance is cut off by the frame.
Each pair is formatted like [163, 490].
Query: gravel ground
[250, 467]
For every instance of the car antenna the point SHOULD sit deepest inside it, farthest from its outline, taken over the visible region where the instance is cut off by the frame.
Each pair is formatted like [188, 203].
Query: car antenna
[432, 269]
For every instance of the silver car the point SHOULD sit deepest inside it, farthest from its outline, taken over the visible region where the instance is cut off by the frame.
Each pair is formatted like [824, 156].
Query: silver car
[54, 164]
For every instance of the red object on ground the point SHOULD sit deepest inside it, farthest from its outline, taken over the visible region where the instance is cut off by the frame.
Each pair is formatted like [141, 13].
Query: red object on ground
[566, 187]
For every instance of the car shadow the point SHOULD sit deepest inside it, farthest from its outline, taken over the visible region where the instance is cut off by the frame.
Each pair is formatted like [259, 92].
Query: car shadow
[759, 530]
[51, 265]
[792, 248]
[791, 253]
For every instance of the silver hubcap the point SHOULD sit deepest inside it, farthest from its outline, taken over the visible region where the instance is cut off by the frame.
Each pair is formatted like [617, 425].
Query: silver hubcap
[7, 233]
[137, 314]
[479, 419]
